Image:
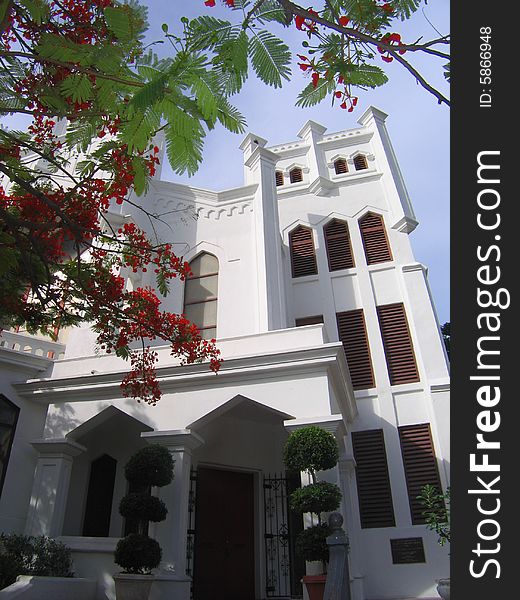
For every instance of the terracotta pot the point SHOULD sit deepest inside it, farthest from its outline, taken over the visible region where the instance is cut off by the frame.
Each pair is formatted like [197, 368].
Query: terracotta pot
[133, 587]
[315, 585]
[443, 588]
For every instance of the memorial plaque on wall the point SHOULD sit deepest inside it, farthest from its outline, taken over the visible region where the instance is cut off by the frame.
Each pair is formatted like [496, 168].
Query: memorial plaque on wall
[407, 550]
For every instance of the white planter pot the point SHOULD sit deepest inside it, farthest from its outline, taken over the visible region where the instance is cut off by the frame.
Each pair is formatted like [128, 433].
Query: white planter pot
[132, 587]
[443, 588]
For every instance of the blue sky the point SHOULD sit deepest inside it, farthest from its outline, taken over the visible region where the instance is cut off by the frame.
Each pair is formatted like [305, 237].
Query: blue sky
[418, 126]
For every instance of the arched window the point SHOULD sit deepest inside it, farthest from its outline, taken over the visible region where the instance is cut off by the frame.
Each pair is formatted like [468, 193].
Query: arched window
[296, 175]
[303, 254]
[375, 242]
[8, 418]
[278, 178]
[99, 497]
[340, 166]
[337, 242]
[360, 162]
[200, 294]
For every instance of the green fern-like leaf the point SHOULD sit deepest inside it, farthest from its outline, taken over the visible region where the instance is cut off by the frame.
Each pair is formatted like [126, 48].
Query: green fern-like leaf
[77, 86]
[270, 58]
[207, 32]
[150, 93]
[231, 63]
[137, 131]
[184, 138]
[365, 75]
[310, 95]
[119, 22]
[230, 117]
[207, 94]
[38, 9]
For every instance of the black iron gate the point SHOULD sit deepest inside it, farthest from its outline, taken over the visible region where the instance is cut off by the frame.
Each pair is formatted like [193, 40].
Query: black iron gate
[283, 569]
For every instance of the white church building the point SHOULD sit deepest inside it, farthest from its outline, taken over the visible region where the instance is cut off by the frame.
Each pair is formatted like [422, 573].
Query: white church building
[306, 277]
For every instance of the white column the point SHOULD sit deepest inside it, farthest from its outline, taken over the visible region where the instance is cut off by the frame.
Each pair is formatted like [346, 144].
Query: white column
[51, 485]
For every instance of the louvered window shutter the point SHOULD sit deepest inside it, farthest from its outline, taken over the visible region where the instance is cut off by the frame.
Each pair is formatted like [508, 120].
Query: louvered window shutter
[353, 335]
[399, 352]
[337, 242]
[360, 162]
[296, 175]
[373, 482]
[420, 465]
[278, 178]
[340, 166]
[375, 241]
[303, 255]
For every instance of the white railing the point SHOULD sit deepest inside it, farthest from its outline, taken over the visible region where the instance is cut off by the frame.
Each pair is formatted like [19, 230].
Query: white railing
[24, 342]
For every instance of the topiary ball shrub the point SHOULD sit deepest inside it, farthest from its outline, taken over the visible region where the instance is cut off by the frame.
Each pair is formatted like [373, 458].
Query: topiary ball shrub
[142, 506]
[152, 465]
[311, 543]
[316, 498]
[137, 554]
[311, 449]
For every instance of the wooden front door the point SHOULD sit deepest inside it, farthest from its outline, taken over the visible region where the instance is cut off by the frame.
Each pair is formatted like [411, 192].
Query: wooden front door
[224, 567]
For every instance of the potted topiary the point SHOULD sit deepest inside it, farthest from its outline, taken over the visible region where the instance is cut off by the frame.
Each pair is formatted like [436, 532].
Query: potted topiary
[137, 553]
[312, 449]
[437, 516]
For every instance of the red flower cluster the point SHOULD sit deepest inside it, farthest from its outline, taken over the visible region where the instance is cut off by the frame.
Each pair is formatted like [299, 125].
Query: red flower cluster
[211, 3]
[390, 39]
[61, 221]
[307, 25]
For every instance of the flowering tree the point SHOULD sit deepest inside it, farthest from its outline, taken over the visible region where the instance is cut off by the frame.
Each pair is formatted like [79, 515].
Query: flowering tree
[63, 258]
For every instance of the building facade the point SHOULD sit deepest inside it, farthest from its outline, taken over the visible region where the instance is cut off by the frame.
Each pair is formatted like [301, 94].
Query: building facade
[306, 277]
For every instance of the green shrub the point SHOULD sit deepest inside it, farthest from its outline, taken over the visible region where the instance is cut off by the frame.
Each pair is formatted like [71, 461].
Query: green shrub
[137, 554]
[152, 465]
[311, 543]
[142, 506]
[311, 449]
[25, 555]
[316, 498]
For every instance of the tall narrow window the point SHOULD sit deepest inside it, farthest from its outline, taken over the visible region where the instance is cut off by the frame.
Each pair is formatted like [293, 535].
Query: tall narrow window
[375, 242]
[420, 465]
[200, 294]
[360, 162]
[8, 419]
[373, 482]
[99, 497]
[278, 176]
[296, 175]
[337, 242]
[399, 352]
[303, 254]
[340, 166]
[352, 333]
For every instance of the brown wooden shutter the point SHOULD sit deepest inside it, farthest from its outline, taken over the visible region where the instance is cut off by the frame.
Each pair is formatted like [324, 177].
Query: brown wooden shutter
[308, 320]
[303, 255]
[353, 335]
[340, 166]
[375, 241]
[296, 175]
[278, 178]
[337, 242]
[420, 465]
[360, 162]
[373, 482]
[399, 352]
